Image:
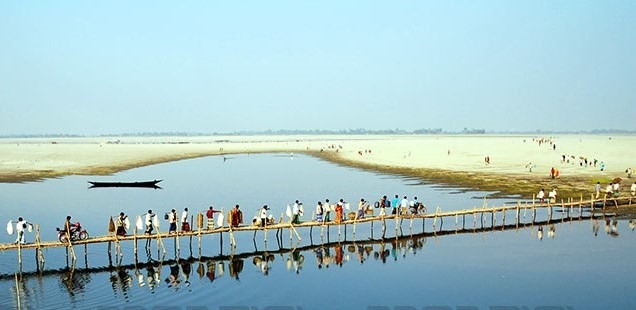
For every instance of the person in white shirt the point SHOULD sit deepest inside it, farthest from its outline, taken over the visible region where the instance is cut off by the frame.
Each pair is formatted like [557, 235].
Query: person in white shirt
[609, 190]
[149, 222]
[319, 212]
[552, 195]
[20, 228]
[597, 190]
[633, 189]
[616, 188]
[185, 226]
[172, 220]
[296, 213]
[264, 215]
[404, 205]
[326, 209]
[541, 195]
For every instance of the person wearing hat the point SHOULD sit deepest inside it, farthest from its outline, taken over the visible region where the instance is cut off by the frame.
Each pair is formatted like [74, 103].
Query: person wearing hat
[264, 215]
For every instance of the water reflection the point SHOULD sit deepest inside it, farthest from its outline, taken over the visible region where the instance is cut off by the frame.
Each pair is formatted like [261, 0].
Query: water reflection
[124, 279]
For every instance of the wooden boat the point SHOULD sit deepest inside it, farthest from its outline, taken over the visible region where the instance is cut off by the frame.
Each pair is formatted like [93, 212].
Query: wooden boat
[148, 184]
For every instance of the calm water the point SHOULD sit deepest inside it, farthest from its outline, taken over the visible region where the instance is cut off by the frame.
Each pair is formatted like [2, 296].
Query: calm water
[575, 268]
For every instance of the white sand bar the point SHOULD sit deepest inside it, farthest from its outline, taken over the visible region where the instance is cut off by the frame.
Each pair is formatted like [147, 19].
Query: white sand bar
[509, 154]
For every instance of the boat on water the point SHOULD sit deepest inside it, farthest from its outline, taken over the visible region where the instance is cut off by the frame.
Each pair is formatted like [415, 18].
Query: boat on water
[147, 184]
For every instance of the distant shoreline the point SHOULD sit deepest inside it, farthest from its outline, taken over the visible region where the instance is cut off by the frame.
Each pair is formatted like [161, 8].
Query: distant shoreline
[317, 132]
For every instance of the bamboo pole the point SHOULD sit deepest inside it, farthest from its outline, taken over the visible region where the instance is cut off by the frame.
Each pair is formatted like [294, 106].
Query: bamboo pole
[135, 241]
[160, 241]
[40, 254]
[355, 219]
[19, 256]
[292, 228]
[17, 292]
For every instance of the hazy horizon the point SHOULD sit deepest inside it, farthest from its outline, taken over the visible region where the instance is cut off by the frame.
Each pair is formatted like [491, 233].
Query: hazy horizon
[96, 68]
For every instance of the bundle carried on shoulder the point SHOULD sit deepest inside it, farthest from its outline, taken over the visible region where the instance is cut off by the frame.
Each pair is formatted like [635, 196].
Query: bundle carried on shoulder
[111, 226]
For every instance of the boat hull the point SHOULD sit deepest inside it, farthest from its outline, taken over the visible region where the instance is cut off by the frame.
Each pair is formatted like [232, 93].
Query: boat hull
[146, 184]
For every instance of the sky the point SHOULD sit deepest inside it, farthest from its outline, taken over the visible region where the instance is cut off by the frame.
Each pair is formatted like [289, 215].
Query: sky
[109, 67]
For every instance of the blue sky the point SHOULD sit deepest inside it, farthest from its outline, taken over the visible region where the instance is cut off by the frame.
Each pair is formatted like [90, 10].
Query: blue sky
[107, 67]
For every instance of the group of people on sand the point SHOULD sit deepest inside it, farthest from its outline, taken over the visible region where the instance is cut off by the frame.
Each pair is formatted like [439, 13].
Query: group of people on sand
[583, 161]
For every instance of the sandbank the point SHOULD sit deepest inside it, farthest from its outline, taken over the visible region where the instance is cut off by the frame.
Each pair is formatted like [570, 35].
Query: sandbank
[455, 160]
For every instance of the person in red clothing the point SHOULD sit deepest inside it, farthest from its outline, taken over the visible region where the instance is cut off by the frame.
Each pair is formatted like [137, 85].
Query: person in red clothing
[339, 210]
[210, 216]
[236, 216]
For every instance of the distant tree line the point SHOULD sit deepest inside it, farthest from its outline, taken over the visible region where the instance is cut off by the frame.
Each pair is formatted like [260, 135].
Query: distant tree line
[358, 131]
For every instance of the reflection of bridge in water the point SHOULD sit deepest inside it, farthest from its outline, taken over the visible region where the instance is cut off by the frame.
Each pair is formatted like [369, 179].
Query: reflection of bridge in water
[154, 272]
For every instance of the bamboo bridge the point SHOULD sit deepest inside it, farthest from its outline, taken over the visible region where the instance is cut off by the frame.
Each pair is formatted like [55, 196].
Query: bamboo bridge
[605, 206]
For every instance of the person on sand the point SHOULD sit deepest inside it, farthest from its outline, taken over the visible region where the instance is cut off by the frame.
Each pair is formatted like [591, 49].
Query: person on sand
[633, 189]
[552, 173]
[541, 196]
[210, 216]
